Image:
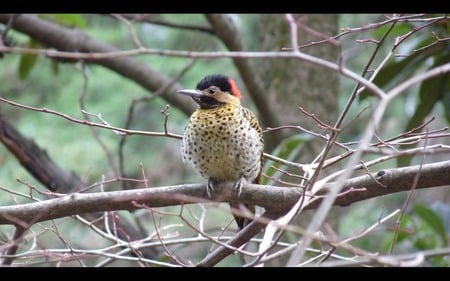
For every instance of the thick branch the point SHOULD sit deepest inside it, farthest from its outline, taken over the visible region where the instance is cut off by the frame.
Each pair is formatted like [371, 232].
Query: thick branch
[36, 160]
[72, 40]
[38, 163]
[272, 198]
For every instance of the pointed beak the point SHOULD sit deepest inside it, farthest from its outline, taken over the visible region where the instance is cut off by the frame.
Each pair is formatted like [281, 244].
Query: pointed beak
[191, 93]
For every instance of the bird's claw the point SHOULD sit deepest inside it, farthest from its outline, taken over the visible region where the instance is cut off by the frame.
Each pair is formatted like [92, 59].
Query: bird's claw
[238, 185]
[210, 187]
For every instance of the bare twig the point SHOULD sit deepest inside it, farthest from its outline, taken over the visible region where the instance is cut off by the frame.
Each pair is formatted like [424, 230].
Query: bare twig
[85, 122]
[406, 203]
[131, 28]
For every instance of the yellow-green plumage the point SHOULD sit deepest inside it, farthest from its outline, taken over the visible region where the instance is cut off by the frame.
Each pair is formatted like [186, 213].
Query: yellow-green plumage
[223, 144]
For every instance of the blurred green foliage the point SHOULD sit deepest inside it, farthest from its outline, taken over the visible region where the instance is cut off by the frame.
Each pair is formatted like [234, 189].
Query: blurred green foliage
[418, 53]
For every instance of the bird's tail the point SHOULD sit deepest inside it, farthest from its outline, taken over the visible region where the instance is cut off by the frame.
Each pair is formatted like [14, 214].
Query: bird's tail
[243, 208]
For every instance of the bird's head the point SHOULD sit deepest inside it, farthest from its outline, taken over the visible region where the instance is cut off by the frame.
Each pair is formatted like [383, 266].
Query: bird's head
[213, 91]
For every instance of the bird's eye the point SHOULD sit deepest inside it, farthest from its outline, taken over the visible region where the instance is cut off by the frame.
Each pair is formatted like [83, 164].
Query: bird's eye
[212, 91]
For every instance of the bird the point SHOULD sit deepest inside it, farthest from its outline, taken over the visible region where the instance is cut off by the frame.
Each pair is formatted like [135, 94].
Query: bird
[223, 140]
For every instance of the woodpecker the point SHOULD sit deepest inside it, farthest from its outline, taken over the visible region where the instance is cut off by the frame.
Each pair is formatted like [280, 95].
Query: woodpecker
[223, 140]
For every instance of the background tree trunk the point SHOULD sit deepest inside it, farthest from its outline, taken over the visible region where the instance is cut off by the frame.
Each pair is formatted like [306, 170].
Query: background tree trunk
[291, 84]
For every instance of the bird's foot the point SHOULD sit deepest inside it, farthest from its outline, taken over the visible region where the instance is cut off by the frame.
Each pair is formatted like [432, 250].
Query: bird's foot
[238, 185]
[210, 187]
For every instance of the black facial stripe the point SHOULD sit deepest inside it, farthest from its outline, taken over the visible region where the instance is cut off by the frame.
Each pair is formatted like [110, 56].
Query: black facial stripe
[206, 102]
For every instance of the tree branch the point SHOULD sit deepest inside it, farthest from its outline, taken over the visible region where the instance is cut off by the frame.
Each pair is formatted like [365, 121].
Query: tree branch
[72, 40]
[238, 240]
[36, 160]
[273, 198]
[38, 163]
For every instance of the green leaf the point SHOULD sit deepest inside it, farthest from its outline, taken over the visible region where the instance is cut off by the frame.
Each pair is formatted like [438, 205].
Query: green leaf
[400, 28]
[433, 220]
[425, 243]
[71, 20]
[55, 67]
[288, 149]
[446, 99]
[396, 70]
[28, 61]
[405, 223]
[431, 92]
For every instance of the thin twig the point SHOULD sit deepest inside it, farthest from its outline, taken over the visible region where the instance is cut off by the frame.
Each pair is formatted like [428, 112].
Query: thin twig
[406, 203]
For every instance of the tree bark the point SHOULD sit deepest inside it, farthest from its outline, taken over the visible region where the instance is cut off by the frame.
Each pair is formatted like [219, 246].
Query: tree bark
[38, 163]
[275, 199]
[290, 84]
[230, 36]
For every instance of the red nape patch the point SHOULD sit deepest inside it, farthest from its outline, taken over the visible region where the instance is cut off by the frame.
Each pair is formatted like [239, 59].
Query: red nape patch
[234, 88]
